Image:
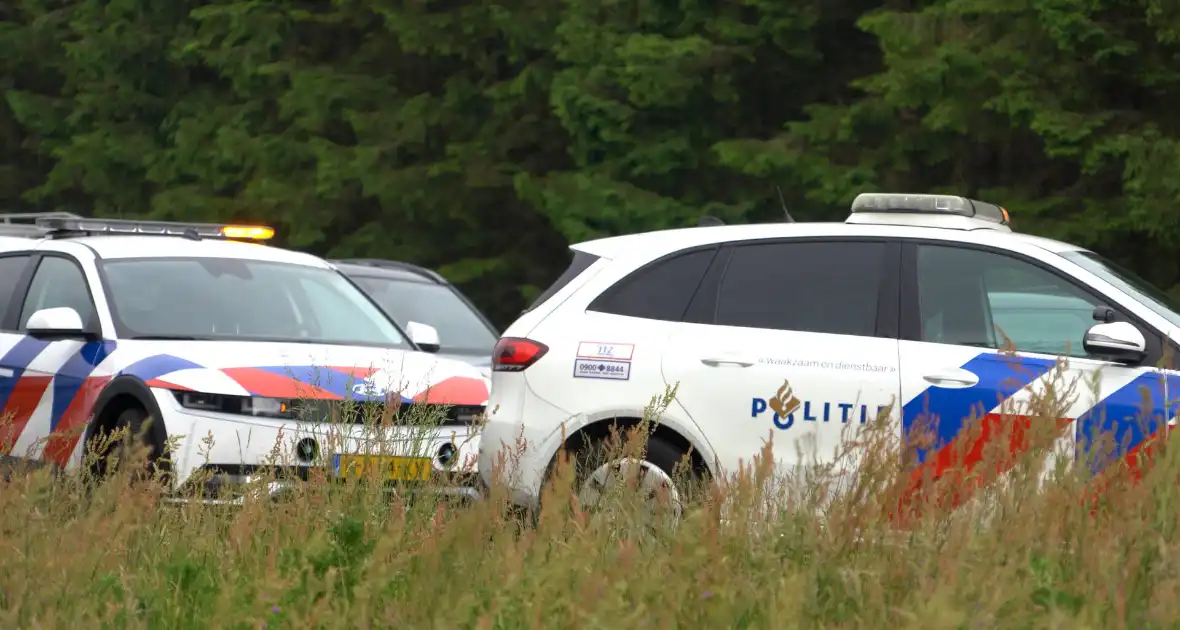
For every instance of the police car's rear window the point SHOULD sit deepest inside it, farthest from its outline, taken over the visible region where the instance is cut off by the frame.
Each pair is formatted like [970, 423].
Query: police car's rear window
[580, 263]
[660, 290]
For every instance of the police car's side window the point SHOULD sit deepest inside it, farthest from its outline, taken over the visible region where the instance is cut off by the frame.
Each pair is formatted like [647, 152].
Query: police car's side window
[58, 282]
[660, 290]
[12, 270]
[977, 298]
[810, 286]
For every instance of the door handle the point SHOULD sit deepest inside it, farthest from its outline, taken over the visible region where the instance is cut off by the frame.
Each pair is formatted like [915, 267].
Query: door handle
[723, 361]
[954, 378]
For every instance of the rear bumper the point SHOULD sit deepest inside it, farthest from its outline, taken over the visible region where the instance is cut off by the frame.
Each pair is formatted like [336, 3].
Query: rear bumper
[519, 440]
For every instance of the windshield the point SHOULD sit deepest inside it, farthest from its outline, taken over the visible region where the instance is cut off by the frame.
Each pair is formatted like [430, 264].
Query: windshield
[242, 300]
[1158, 301]
[459, 328]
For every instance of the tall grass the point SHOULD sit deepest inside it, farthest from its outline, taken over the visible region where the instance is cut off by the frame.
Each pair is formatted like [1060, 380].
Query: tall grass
[824, 550]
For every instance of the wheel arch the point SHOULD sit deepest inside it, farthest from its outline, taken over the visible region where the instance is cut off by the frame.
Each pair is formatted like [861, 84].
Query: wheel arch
[600, 428]
[122, 393]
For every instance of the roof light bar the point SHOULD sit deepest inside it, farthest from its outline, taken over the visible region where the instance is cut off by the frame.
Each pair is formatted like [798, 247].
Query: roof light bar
[63, 225]
[14, 218]
[24, 224]
[905, 203]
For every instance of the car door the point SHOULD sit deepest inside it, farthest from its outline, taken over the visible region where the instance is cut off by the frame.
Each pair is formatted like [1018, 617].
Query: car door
[53, 392]
[17, 400]
[790, 340]
[993, 365]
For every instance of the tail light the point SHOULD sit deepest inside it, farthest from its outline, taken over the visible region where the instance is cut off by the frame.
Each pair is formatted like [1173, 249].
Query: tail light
[513, 354]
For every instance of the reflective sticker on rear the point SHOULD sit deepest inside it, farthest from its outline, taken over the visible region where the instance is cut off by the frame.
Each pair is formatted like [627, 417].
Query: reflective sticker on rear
[603, 369]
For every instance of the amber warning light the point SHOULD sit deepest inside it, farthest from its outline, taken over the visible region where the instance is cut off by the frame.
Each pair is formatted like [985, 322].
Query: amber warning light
[250, 232]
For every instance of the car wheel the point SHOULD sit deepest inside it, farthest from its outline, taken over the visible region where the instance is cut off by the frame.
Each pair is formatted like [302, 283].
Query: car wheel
[120, 448]
[601, 481]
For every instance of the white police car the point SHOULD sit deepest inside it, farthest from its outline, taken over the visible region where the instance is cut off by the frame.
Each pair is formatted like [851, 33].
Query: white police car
[801, 329]
[236, 348]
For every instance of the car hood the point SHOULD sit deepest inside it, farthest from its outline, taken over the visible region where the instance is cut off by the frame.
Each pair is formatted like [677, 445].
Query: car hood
[482, 361]
[304, 371]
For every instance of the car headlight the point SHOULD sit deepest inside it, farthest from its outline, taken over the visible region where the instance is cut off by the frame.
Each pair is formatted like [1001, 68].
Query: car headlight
[236, 405]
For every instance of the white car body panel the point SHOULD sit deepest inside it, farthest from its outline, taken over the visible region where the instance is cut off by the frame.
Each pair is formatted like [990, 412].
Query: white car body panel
[728, 375]
[50, 387]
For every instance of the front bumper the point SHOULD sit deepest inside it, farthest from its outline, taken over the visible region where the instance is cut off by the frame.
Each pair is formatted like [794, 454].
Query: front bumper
[273, 457]
[236, 485]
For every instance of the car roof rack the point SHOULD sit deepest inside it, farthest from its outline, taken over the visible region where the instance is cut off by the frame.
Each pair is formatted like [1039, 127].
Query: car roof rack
[381, 263]
[59, 225]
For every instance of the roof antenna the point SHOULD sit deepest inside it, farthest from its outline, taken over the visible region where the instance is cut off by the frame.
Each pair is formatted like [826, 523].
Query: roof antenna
[709, 221]
[782, 201]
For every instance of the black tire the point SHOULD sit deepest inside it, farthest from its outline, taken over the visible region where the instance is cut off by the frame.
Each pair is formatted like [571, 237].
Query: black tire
[120, 451]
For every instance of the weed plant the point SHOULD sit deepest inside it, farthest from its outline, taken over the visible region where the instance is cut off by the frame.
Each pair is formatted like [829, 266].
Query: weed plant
[855, 540]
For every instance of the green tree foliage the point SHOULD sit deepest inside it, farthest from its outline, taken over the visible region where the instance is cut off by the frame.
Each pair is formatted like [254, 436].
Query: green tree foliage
[647, 89]
[24, 50]
[1062, 111]
[480, 138]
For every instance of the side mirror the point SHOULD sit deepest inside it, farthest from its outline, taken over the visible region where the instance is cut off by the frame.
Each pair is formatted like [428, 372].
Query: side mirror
[1104, 314]
[1117, 341]
[57, 323]
[424, 336]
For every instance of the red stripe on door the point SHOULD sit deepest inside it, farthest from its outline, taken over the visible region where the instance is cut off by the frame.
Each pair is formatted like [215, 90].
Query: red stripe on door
[22, 402]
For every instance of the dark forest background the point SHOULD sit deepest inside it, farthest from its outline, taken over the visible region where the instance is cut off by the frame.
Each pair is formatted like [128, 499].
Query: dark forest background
[480, 138]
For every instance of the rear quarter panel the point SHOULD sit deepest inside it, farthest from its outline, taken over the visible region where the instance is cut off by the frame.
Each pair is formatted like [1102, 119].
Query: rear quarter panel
[601, 366]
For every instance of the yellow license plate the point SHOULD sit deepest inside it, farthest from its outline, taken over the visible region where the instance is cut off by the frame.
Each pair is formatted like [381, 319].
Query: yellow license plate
[385, 467]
